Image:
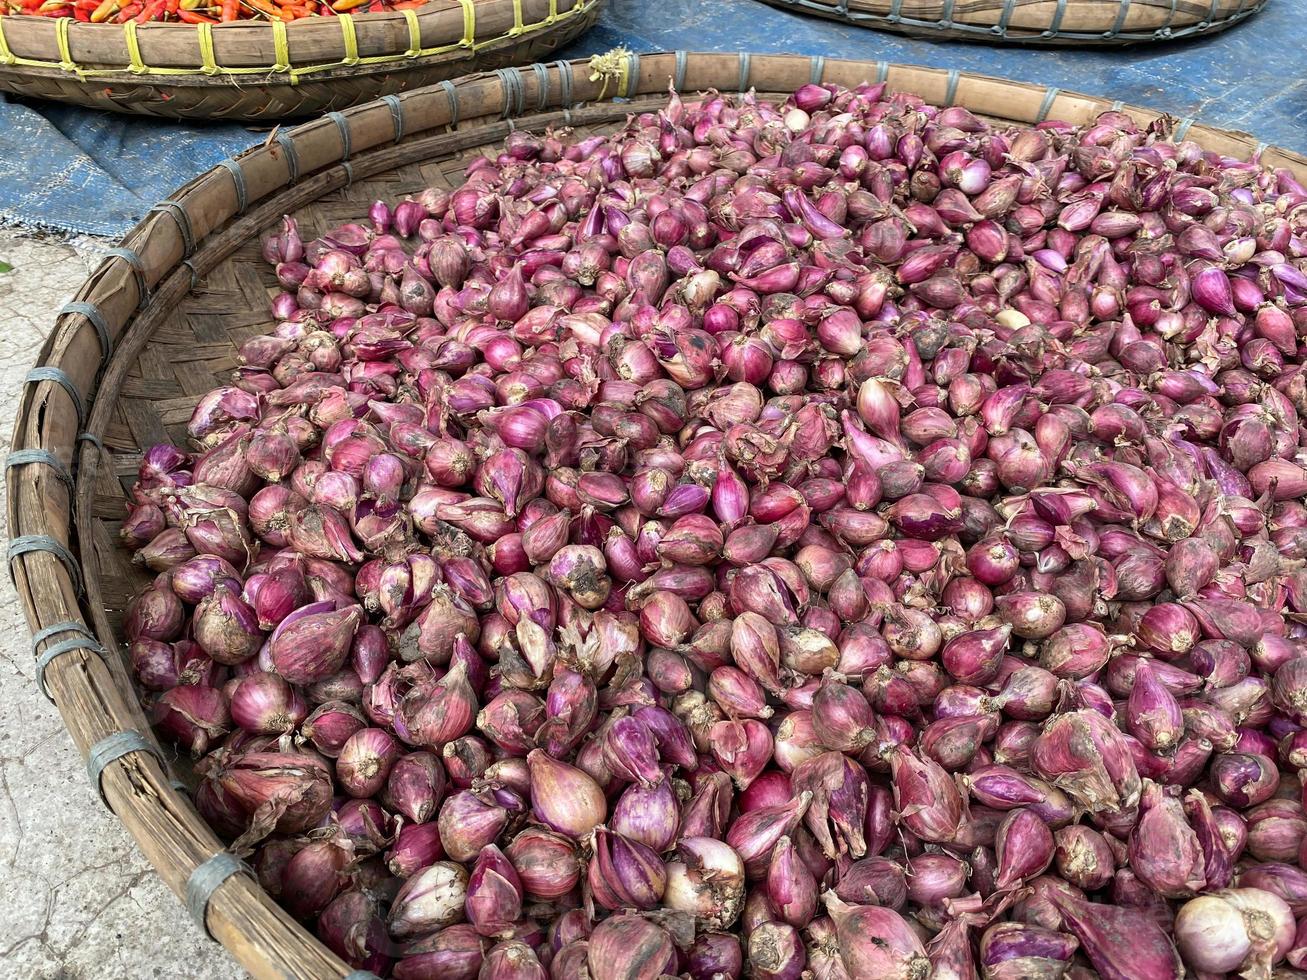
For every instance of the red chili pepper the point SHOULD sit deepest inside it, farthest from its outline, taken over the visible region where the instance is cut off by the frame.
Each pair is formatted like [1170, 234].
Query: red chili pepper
[127, 13]
[191, 17]
[151, 12]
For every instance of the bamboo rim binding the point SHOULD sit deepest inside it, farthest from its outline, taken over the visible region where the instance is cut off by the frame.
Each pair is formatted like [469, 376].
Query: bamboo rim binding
[61, 471]
[1081, 22]
[200, 55]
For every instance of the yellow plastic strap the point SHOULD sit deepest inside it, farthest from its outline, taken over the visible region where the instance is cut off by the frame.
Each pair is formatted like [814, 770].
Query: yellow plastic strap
[208, 59]
[6, 56]
[137, 65]
[553, 12]
[280, 46]
[469, 24]
[414, 34]
[517, 19]
[61, 37]
[349, 38]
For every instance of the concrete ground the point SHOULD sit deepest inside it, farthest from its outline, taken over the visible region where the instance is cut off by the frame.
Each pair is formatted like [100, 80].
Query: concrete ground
[77, 899]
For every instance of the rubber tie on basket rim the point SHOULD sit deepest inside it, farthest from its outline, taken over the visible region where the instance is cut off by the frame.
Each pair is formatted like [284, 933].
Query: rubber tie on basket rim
[287, 144]
[542, 86]
[133, 258]
[113, 747]
[678, 80]
[396, 114]
[951, 93]
[817, 68]
[510, 83]
[93, 439]
[882, 72]
[1259, 149]
[60, 377]
[49, 632]
[342, 124]
[629, 80]
[1045, 107]
[96, 318]
[183, 220]
[26, 544]
[1056, 24]
[895, 10]
[58, 650]
[42, 457]
[1182, 129]
[518, 26]
[1211, 16]
[195, 273]
[1165, 30]
[946, 16]
[1009, 8]
[565, 84]
[744, 71]
[451, 99]
[1122, 11]
[238, 181]
[206, 879]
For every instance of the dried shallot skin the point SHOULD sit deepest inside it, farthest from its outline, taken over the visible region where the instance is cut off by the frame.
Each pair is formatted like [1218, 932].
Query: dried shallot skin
[839, 537]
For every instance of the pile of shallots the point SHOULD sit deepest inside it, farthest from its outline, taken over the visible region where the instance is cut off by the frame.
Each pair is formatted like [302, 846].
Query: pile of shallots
[841, 539]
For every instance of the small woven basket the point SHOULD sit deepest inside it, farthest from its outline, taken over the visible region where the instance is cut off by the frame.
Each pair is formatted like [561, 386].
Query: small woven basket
[261, 71]
[160, 321]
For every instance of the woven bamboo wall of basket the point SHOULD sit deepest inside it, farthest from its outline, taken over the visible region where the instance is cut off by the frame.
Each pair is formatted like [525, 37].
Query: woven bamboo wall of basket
[260, 71]
[1078, 22]
[159, 322]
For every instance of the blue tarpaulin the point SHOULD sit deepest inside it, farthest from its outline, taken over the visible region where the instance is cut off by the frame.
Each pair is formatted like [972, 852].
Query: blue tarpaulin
[70, 169]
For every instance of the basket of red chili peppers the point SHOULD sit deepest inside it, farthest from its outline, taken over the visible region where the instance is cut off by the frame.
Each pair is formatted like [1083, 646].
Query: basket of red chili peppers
[266, 60]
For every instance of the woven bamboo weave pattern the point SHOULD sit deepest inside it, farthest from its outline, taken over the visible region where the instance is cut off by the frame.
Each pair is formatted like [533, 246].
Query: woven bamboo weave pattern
[147, 344]
[1079, 22]
[256, 71]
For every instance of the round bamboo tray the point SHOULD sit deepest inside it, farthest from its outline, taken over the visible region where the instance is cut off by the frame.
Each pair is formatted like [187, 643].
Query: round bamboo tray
[261, 71]
[1077, 22]
[159, 322]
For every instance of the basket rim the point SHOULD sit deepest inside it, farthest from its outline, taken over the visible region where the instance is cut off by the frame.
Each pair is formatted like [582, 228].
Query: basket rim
[1119, 24]
[60, 46]
[132, 291]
